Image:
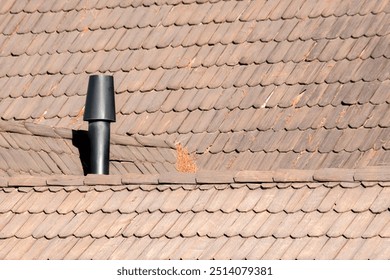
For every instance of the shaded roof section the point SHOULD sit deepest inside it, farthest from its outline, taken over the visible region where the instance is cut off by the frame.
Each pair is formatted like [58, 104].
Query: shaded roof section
[31, 149]
[36, 149]
[287, 214]
[243, 84]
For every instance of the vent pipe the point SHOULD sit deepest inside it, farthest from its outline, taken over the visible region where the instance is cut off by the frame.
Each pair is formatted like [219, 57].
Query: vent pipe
[99, 112]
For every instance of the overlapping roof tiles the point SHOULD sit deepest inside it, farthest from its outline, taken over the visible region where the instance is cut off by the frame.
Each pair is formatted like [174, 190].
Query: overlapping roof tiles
[299, 215]
[32, 149]
[282, 105]
[288, 82]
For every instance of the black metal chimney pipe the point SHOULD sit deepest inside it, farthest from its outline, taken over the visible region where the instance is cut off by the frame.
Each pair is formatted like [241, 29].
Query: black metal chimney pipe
[100, 112]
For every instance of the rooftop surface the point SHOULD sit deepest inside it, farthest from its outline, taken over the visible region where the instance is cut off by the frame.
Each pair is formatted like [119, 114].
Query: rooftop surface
[280, 109]
[286, 214]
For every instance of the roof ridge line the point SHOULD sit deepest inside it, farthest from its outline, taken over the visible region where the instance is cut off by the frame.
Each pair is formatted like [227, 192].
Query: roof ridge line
[207, 177]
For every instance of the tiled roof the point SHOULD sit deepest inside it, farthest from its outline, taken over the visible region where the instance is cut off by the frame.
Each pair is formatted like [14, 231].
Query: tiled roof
[244, 84]
[283, 107]
[285, 214]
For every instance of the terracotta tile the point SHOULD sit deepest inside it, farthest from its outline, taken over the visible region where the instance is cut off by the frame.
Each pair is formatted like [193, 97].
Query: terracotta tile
[341, 224]
[250, 200]
[298, 200]
[367, 248]
[323, 225]
[190, 248]
[379, 97]
[56, 248]
[377, 224]
[280, 201]
[73, 224]
[7, 245]
[260, 248]
[295, 248]
[5, 219]
[379, 253]
[312, 248]
[381, 201]
[12, 227]
[216, 224]
[30, 225]
[212, 250]
[20, 249]
[332, 248]
[143, 202]
[348, 200]
[372, 174]
[78, 249]
[118, 252]
[115, 227]
[194, 224]
[278, 249]
[36, 249]
[293, 8]
[271, 224]
[164, 225]
[349, 249]
[267, 197]
[308, 221]
[385, 233]
[143, 228]
[157, 203]
[24, 204]
[230, 248]
[152, 251]
[235, 199]
[367, 198]
[8, 5]
[89, 224]
[219, 224]
[359, 225]
[217, 200]
[169, 247]
[179, 225]
[51, 225]
[95, 247]
[189, 201]
[204, 177]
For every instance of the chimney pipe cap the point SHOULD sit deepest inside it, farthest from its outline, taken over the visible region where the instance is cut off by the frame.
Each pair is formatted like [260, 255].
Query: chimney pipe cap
[100, 104]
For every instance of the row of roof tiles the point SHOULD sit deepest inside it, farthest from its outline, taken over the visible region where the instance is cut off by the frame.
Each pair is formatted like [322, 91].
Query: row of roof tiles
[233, 151]
[187, 56]
[203, 224]
[15, 141]
[307, 121]
[133, 161]
[193, 14]
[374, 173]
[274, 10]
[226, 77]
[309, 139]
[291, 160]
[316, 199]
[66, 134]
[320, 140]
[195, 248]
[194, 39]
[244, 97]
[27, 148]
[15, 162]
[294, 121]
